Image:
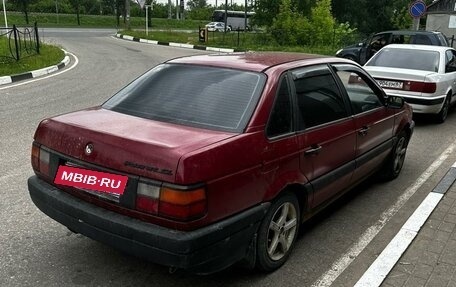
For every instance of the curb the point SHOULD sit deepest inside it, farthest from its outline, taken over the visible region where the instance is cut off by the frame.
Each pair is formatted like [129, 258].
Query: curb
[180, 45]
[36, 73]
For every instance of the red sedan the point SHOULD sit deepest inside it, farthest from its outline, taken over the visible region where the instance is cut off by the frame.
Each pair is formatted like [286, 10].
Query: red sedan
[207, 160]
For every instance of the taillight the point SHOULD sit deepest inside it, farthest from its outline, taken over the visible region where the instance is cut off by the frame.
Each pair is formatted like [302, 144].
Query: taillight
[40, 159]
[147, 197]
[422, 87]
[174, 203]
[182, 204]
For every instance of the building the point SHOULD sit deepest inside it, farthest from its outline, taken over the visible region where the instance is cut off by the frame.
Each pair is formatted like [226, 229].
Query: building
[441, 16]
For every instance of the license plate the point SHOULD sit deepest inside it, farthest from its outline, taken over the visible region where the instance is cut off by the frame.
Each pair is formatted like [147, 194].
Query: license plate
[390, 84]
[91, 180]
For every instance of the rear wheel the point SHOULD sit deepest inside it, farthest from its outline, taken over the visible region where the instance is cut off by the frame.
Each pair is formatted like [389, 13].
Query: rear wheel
[443, 114]
[393, 165]
[277, 233]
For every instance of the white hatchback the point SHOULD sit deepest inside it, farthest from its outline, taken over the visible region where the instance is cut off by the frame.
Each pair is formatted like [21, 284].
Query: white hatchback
[425, 76]
[217, 27]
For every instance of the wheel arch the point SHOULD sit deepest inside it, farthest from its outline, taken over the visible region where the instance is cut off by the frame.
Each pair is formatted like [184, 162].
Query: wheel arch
[303, 193]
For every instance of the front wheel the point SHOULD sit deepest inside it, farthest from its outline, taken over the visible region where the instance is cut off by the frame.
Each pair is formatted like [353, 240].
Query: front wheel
[277, 233]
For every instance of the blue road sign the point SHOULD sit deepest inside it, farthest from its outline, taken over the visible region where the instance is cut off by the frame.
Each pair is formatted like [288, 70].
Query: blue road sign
[417, 9]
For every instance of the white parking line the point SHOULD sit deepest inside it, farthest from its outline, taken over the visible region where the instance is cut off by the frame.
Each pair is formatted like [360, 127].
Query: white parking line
[381, 267]
[348, 257]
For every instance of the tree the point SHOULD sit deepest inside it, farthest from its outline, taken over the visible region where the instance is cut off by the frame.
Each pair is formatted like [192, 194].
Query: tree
[322, 22]
[120, 10]
[288, 25]
[355, 12]
[268, 9]
[374, 16]
[51, 6]
[161, 10]
[196, 4]
[265, 10]
[199, 10]
[76, 6]
[22, 5]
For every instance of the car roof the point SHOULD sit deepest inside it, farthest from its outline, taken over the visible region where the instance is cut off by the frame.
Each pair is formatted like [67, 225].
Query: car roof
[418, 47]
[254, 61]
[409, 32]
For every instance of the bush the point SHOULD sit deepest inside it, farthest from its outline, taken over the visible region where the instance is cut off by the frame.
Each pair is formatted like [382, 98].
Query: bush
[49, 6]
[290, 28]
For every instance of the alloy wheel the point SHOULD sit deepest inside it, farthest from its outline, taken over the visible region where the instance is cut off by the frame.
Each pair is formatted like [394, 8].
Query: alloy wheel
[282, 229]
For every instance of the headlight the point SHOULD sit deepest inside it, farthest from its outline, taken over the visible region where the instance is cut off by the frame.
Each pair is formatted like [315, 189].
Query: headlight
[338, 52]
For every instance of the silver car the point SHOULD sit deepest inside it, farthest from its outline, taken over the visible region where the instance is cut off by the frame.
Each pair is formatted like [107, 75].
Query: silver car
[425, 76]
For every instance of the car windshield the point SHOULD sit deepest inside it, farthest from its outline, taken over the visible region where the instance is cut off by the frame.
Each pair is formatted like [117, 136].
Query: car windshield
[406, 59]
[208, 97]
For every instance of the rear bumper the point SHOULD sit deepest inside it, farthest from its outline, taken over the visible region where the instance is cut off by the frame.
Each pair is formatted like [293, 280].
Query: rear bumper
[204, 250]
[424, 105]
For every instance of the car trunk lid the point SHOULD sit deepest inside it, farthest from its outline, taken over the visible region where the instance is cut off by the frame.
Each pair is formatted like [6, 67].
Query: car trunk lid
[407, 81]
[124, 143]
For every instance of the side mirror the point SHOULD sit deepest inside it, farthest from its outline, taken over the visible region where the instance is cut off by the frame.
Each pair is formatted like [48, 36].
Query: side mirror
[395, 102]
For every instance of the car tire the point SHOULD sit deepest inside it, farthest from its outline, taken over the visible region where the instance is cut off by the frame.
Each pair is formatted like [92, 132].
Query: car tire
[443, 114]
[277, 233]
[393, 165]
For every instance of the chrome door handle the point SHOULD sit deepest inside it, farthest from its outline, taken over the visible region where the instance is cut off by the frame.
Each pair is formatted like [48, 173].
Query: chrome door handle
[313, 150]
[363, 131]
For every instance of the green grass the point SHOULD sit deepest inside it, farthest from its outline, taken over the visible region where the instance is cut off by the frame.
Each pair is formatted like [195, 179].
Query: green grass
[96, 21]
[49, 55]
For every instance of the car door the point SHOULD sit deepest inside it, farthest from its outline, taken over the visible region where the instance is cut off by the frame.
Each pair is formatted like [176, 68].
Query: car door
[280, 161]
[374, 122]
[325, 131]
[450, 71]
[377, 42]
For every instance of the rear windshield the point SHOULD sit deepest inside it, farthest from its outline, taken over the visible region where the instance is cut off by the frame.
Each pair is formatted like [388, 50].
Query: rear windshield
[201, 96]
[406, 59]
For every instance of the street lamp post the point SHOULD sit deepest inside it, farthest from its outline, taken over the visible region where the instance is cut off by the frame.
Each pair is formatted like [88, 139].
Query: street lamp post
[57, 10]
[147, 18]
[4, 14]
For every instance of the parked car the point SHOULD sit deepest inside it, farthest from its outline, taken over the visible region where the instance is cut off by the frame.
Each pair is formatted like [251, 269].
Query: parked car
[363, 51]
[207, 160]
[425, 76]
[217, 26]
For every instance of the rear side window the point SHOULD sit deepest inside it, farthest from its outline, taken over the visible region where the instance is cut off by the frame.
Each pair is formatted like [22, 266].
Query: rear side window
[207, 97]
[318, 97]
[443, 41]
[406, 59]
[281, 119]
[421, 39]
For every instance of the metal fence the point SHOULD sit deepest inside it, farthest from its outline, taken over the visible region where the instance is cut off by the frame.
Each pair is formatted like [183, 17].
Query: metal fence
[18, 42]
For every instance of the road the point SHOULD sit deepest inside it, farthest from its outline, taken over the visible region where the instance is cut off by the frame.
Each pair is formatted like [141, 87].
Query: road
[36, 251]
